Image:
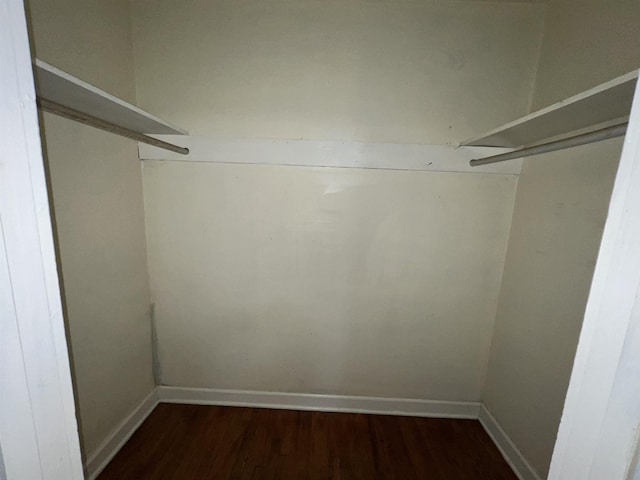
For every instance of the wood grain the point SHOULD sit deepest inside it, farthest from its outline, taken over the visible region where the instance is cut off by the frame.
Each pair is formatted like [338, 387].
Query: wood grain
[208, 442]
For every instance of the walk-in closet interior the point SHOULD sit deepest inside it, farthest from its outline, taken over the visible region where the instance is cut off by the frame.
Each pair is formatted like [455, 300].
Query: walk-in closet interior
[319, 240]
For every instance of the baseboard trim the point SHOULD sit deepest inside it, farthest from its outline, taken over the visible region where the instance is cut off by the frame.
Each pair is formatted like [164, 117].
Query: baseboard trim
[101, 457]
[322, 403]
[515, 459]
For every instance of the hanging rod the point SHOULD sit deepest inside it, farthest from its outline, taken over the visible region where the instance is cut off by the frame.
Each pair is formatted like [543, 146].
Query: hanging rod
[75, 115]
[583, 139]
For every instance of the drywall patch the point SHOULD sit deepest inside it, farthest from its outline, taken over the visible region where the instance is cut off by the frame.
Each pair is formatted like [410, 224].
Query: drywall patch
[156, 366]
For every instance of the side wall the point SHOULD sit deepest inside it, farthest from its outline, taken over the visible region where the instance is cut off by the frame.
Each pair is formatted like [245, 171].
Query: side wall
[97, 196]
[322, 280]
[559, 215]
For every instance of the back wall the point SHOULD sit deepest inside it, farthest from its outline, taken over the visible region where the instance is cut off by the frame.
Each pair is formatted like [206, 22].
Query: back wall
[328, 280]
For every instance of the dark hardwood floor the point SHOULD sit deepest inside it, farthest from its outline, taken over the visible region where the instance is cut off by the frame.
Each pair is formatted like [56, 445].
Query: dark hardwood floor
[205, 442]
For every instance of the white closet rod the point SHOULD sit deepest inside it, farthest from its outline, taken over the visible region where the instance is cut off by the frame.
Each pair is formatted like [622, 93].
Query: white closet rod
[585, 138]
[75, 115]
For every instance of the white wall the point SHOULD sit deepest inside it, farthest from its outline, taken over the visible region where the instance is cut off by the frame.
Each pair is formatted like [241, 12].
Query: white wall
[586, 42]
[97, 196]
[403, 72]
[325, 280]
[319, 280]
[560, 210]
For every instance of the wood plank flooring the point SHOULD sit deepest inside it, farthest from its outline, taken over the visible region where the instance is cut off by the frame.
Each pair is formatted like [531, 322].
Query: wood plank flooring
[207, 442]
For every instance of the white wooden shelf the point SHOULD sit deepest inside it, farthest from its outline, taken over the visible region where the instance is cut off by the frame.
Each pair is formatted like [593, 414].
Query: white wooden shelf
[59, 87]
[605, 103]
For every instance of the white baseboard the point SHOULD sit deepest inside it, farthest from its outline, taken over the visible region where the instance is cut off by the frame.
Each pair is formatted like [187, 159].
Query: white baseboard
[510, 452]
[323, 403]
[302, 401]
[100, 458]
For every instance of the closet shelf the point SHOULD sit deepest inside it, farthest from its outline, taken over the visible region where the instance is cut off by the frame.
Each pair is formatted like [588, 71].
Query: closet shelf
[58, 87]
[608, 102]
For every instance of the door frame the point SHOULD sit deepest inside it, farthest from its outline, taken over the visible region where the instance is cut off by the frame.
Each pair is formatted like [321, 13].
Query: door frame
[38, 427]
[600, 423]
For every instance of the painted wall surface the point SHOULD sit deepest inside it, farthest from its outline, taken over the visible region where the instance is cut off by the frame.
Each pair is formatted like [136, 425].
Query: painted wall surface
[561, 206]
[586, 42]
[327, 280]
[98, 204]
[317, 280]
[560, 210]
[384, 71]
